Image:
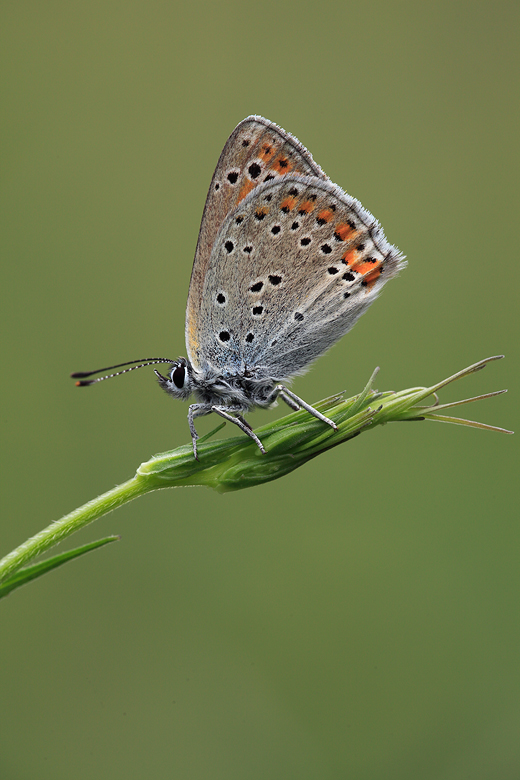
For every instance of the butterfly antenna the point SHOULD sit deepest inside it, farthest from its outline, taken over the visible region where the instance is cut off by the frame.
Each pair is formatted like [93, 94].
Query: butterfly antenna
[143, 362]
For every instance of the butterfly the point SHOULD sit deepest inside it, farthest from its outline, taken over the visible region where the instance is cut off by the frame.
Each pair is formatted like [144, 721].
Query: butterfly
[285, 264]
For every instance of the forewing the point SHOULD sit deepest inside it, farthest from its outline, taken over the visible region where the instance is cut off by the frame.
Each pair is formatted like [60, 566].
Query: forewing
[291, 270]
[256, 152]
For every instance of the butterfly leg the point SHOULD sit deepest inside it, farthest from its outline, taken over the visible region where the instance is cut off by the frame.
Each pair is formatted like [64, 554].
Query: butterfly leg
[291, 399]
[288, 401]
[196, 410]
[238, 420]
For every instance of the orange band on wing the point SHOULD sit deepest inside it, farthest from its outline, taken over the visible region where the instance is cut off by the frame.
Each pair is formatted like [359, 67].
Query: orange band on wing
[371, 278]
[247, 186]
[288, 203]
[364, 268]
[343, 231]
[306, 206]
[325, 215]
[350, 257]
[281, 164]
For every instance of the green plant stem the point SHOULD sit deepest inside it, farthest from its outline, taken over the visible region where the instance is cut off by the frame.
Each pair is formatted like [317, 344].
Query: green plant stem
[69, 524]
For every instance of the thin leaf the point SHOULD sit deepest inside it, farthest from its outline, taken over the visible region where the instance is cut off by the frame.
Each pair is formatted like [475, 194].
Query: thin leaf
[23, 576]
[468, 423]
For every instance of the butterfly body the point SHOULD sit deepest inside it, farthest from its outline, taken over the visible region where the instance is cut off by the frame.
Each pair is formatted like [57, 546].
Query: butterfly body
[225, 389]
[285, 264]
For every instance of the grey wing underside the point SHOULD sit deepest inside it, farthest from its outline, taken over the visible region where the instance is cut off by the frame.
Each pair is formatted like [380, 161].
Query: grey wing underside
[256, 151]
[291, 270]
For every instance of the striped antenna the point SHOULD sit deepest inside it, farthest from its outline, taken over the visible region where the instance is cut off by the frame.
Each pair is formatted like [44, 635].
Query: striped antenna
[142, 364]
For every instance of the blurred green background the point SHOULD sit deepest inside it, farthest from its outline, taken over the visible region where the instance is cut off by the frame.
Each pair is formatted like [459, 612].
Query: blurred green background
[359, 618]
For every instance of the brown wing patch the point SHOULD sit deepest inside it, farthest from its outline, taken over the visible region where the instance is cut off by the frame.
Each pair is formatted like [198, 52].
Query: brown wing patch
[256, 151]
[267, 151]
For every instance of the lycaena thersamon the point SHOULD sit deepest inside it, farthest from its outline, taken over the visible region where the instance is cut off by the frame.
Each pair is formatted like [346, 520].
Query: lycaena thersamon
[285, 264]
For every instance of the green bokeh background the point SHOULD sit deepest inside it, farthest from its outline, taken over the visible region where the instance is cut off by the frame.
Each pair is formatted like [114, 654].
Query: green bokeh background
[359, 618]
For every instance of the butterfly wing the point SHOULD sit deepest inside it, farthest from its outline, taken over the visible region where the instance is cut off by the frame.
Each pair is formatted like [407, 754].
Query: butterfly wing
[257, 151]
[291, 270]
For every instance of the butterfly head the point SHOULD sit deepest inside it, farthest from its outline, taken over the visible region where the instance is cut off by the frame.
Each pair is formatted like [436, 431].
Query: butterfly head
[179, 381]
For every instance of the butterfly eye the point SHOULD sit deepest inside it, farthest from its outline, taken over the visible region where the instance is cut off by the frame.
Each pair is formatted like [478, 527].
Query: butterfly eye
[178, 376]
